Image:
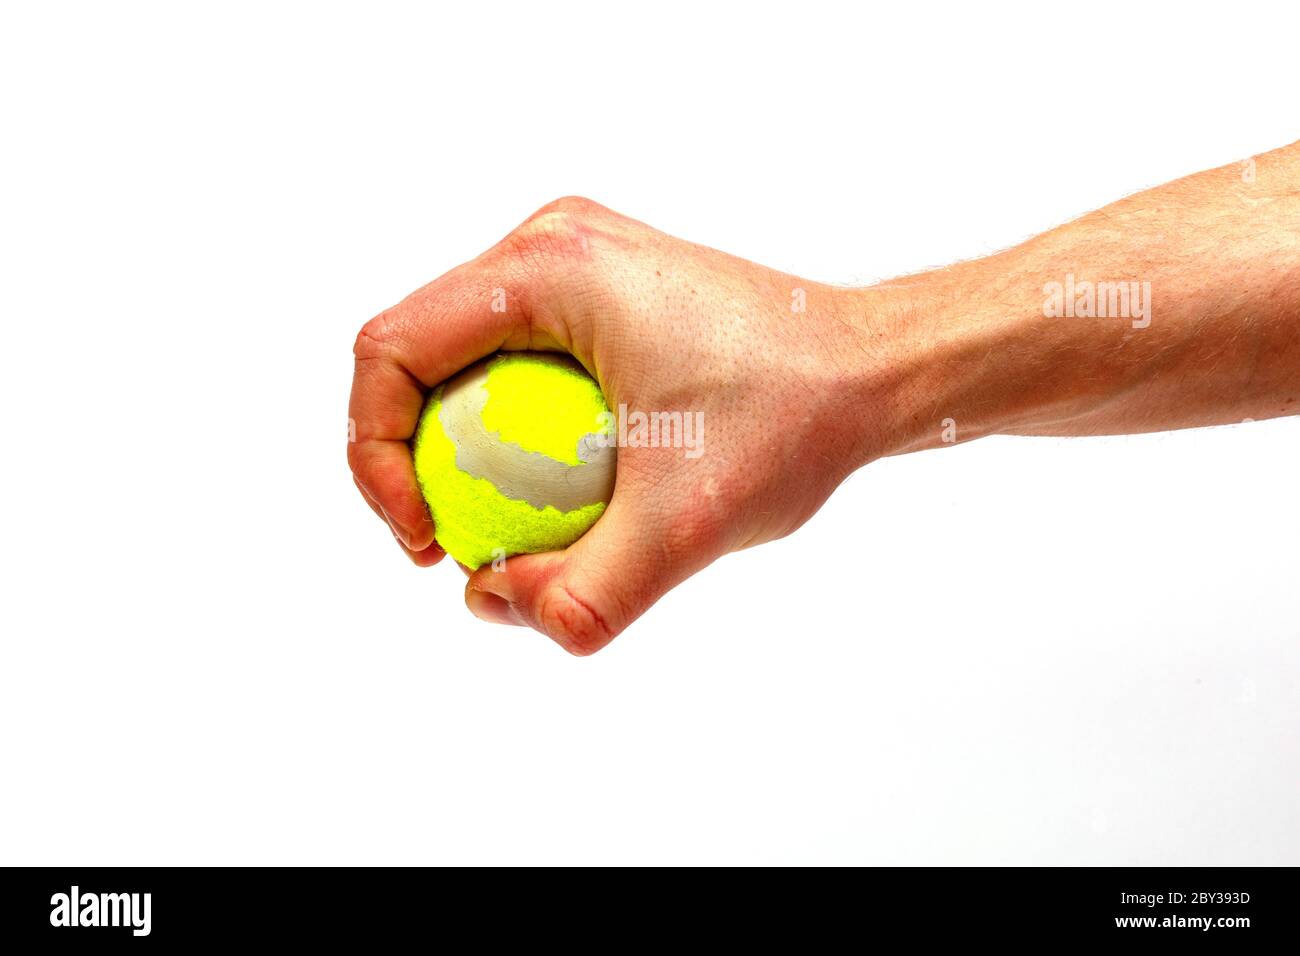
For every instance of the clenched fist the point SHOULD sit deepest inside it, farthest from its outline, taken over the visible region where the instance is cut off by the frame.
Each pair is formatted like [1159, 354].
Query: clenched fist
[772, 367]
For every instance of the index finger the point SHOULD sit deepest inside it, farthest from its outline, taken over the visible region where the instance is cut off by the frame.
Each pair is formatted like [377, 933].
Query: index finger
[401, 354]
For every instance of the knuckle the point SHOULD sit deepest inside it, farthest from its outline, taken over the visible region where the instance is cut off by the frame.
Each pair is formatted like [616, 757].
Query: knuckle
[376, 337]
[576, 205]
[558, 232]
[572, 621]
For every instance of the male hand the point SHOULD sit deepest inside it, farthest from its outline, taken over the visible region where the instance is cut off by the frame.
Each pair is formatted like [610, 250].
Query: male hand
[777, 375]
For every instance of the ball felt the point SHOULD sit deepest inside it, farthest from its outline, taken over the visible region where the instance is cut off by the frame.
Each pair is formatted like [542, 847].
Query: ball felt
[515, 455]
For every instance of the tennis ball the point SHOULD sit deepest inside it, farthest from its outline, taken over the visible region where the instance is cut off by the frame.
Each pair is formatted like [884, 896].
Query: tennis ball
[515, 455]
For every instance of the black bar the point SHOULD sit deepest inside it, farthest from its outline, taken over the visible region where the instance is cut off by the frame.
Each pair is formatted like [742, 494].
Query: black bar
[235, 906]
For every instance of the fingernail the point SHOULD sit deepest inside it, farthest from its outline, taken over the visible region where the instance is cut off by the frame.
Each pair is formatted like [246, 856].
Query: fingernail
[491, 608]
[497, 583]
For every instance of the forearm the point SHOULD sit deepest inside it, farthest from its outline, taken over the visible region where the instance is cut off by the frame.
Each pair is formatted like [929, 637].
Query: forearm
[1176, 307]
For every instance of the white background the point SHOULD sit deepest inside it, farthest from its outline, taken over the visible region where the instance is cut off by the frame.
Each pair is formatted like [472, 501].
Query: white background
[1014, 651]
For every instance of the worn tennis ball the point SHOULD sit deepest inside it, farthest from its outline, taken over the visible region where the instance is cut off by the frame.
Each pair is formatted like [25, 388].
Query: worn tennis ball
[515, 455]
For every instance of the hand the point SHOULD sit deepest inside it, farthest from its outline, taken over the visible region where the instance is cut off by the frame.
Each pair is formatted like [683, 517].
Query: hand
[782, 381]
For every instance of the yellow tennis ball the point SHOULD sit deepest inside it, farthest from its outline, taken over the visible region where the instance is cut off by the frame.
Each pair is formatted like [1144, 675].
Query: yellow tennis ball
[515, 455]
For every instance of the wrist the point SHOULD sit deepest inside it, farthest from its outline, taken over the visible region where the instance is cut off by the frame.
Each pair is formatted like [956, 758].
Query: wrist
[938, 366]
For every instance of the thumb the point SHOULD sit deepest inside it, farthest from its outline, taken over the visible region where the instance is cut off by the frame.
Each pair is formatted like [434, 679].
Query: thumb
[583, 597]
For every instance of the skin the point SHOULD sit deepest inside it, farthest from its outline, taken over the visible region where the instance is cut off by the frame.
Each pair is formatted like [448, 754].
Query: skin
[795, 400]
